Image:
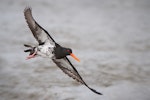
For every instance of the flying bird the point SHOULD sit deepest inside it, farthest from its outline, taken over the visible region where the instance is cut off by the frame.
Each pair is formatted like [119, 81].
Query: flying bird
[48, 47]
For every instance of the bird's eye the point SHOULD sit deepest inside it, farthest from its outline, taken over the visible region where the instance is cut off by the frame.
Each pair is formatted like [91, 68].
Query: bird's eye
[68, 50]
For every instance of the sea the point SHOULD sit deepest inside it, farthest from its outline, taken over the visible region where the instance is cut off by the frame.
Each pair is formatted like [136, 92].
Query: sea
[110, 37]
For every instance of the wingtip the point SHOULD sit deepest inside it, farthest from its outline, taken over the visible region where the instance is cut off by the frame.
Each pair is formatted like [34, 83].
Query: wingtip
[27, 9]
[99, 93]
[96, 91]
[93, 90]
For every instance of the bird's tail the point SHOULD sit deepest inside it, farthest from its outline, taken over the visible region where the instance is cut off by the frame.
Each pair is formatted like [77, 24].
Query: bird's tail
[31, 49]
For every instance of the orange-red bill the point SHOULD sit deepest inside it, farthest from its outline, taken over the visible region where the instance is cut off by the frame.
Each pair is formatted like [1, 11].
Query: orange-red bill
[31, 56]
[75, 57]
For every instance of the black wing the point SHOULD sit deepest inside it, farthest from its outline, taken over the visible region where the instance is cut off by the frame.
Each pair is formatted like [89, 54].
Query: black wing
[40, 34]
[66, 66]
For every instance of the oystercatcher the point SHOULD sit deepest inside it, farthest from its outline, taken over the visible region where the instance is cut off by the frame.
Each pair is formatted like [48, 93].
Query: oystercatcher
[49, 48]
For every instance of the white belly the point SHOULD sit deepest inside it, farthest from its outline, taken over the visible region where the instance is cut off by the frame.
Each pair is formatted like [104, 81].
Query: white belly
[45, 50]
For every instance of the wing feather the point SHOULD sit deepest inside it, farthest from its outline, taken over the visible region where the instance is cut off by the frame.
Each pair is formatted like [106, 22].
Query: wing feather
[66, 66]
[40, 34]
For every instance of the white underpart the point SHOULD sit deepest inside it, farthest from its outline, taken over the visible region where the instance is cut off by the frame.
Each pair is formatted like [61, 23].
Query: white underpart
[45, 50]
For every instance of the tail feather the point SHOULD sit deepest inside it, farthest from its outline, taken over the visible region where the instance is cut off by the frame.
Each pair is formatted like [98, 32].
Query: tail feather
[31, 49]
[28, 50]
[26, 45]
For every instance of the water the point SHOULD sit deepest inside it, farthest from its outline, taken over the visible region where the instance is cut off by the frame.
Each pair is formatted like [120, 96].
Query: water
[111, 38]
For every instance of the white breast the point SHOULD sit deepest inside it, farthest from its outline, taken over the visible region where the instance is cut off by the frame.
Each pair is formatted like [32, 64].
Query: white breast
[46, 50]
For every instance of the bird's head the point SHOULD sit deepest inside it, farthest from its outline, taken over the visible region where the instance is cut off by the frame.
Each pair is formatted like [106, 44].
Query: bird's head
[69, 52]
[61, 52]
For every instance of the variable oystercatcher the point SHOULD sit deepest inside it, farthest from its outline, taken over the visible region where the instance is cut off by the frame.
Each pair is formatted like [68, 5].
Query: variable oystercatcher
[49, 48]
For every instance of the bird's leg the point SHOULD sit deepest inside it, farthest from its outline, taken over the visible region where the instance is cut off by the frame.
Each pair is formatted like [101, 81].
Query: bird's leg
[31, 50]
[31, 56]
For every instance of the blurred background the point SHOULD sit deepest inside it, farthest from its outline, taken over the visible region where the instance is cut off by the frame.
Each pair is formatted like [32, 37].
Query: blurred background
[111, 38]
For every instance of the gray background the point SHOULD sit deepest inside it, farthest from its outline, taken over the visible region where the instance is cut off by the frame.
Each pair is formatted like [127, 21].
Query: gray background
[111, 38]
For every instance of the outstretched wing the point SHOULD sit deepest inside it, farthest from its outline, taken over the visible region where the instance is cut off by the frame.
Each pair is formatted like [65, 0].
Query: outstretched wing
[40, 34]
[66, 66]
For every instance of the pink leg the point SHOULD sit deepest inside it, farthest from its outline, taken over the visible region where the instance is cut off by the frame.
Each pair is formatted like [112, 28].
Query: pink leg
[31, 56]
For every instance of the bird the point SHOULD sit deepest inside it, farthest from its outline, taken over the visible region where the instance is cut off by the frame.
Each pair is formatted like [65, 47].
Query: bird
[49, 48]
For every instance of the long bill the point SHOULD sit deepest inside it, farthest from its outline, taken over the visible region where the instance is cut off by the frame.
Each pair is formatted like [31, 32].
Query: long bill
[75, 57]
